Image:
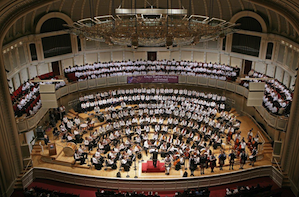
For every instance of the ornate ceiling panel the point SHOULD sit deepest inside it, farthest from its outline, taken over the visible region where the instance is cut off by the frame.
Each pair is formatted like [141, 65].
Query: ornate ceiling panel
[272, 11]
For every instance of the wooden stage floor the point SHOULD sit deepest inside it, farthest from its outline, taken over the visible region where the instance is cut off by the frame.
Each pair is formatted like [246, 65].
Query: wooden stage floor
[64, 163]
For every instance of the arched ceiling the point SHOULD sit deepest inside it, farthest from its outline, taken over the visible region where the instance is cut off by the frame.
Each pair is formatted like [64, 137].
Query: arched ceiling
[273, 12]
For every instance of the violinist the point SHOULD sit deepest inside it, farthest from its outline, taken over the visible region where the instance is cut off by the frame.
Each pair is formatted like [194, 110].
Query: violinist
[163, 148]
[250, 135]
[146, 146]
[97, 163]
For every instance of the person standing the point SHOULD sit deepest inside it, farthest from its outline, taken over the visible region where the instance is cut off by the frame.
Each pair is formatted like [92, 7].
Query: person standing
[252, 157]
[62, 111]
[243, 158]
[192, 165]
[212, 162]
[167, 164]
[232, 157]
[203, 159]
[222, 158]
[155, 156]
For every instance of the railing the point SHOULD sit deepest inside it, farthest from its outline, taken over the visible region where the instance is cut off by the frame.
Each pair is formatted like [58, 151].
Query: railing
[262, 140]
[278, 165]
[142, 184]
[274, 121]
[28, 164]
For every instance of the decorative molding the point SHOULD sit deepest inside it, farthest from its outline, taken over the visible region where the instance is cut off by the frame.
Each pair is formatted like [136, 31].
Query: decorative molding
[167, 184]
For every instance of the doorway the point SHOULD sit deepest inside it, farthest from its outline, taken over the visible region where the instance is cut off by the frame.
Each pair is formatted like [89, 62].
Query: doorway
[247, 68]
[152, 56]
[55, 68]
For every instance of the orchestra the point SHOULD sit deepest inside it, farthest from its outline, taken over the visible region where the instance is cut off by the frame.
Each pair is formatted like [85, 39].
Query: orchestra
[187, 127]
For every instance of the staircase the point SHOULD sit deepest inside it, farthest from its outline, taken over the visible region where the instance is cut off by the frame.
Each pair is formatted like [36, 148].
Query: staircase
[285, 182]
[18, 183]
[267, 150]
[36, 150]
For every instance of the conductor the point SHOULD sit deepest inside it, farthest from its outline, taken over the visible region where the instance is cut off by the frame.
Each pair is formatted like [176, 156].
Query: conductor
[155, 156]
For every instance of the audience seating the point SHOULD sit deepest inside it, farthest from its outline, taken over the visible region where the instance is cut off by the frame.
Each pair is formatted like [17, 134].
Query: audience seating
[41, 192]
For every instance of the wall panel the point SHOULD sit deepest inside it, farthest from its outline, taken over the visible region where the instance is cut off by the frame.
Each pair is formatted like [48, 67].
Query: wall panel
[16, 81]
[286, 79]
[161, 55]
[117, 56]
[105, 57]
[22, 55]
[7, 63]
[91, 58]
[279, 74]
[186, 55]
[67, 62]
[175, 55]
[212, 57]
[198, 56]
[224, 59]
[78, 60]
[23, 75]
[270, 70]
[42, 69]
[293, 80]
[32, 71]
[128, 55]
[140, 55]
[260, 67]
[234, 61]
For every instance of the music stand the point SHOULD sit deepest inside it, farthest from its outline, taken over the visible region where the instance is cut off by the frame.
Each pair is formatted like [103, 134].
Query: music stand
[52, 149]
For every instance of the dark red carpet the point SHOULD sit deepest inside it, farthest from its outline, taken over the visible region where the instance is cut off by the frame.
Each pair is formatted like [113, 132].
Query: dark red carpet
[149, 167]
[217, 191]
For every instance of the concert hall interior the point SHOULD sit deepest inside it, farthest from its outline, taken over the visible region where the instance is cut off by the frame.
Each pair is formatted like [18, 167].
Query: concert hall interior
[149, 95]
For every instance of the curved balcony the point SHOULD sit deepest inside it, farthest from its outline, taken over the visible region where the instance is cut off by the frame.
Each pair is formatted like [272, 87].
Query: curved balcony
[275, 122]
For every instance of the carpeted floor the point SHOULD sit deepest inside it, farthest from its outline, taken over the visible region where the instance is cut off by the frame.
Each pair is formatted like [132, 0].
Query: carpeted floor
[217, 191]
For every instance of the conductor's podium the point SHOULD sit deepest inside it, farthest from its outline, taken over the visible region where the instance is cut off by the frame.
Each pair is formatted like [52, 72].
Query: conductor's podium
[149, 167]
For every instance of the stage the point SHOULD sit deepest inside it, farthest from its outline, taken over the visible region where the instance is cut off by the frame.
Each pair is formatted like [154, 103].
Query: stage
[64, 163]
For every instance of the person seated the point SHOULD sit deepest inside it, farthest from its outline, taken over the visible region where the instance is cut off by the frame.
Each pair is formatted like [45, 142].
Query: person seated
[97, 162]
[70, 138]
[78, 157]
[46, 139]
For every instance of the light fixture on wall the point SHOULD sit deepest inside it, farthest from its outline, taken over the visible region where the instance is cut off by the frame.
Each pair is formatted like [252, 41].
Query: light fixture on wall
[151, 27]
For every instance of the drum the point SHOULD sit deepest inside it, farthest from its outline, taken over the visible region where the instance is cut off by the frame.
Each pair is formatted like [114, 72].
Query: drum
[70, 149]
[83, 127]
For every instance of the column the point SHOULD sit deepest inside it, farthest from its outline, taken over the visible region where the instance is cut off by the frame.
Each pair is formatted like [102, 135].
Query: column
[290, 159]
[11, 158]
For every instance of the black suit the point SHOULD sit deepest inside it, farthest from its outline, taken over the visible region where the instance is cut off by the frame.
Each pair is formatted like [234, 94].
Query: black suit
[155, 158]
